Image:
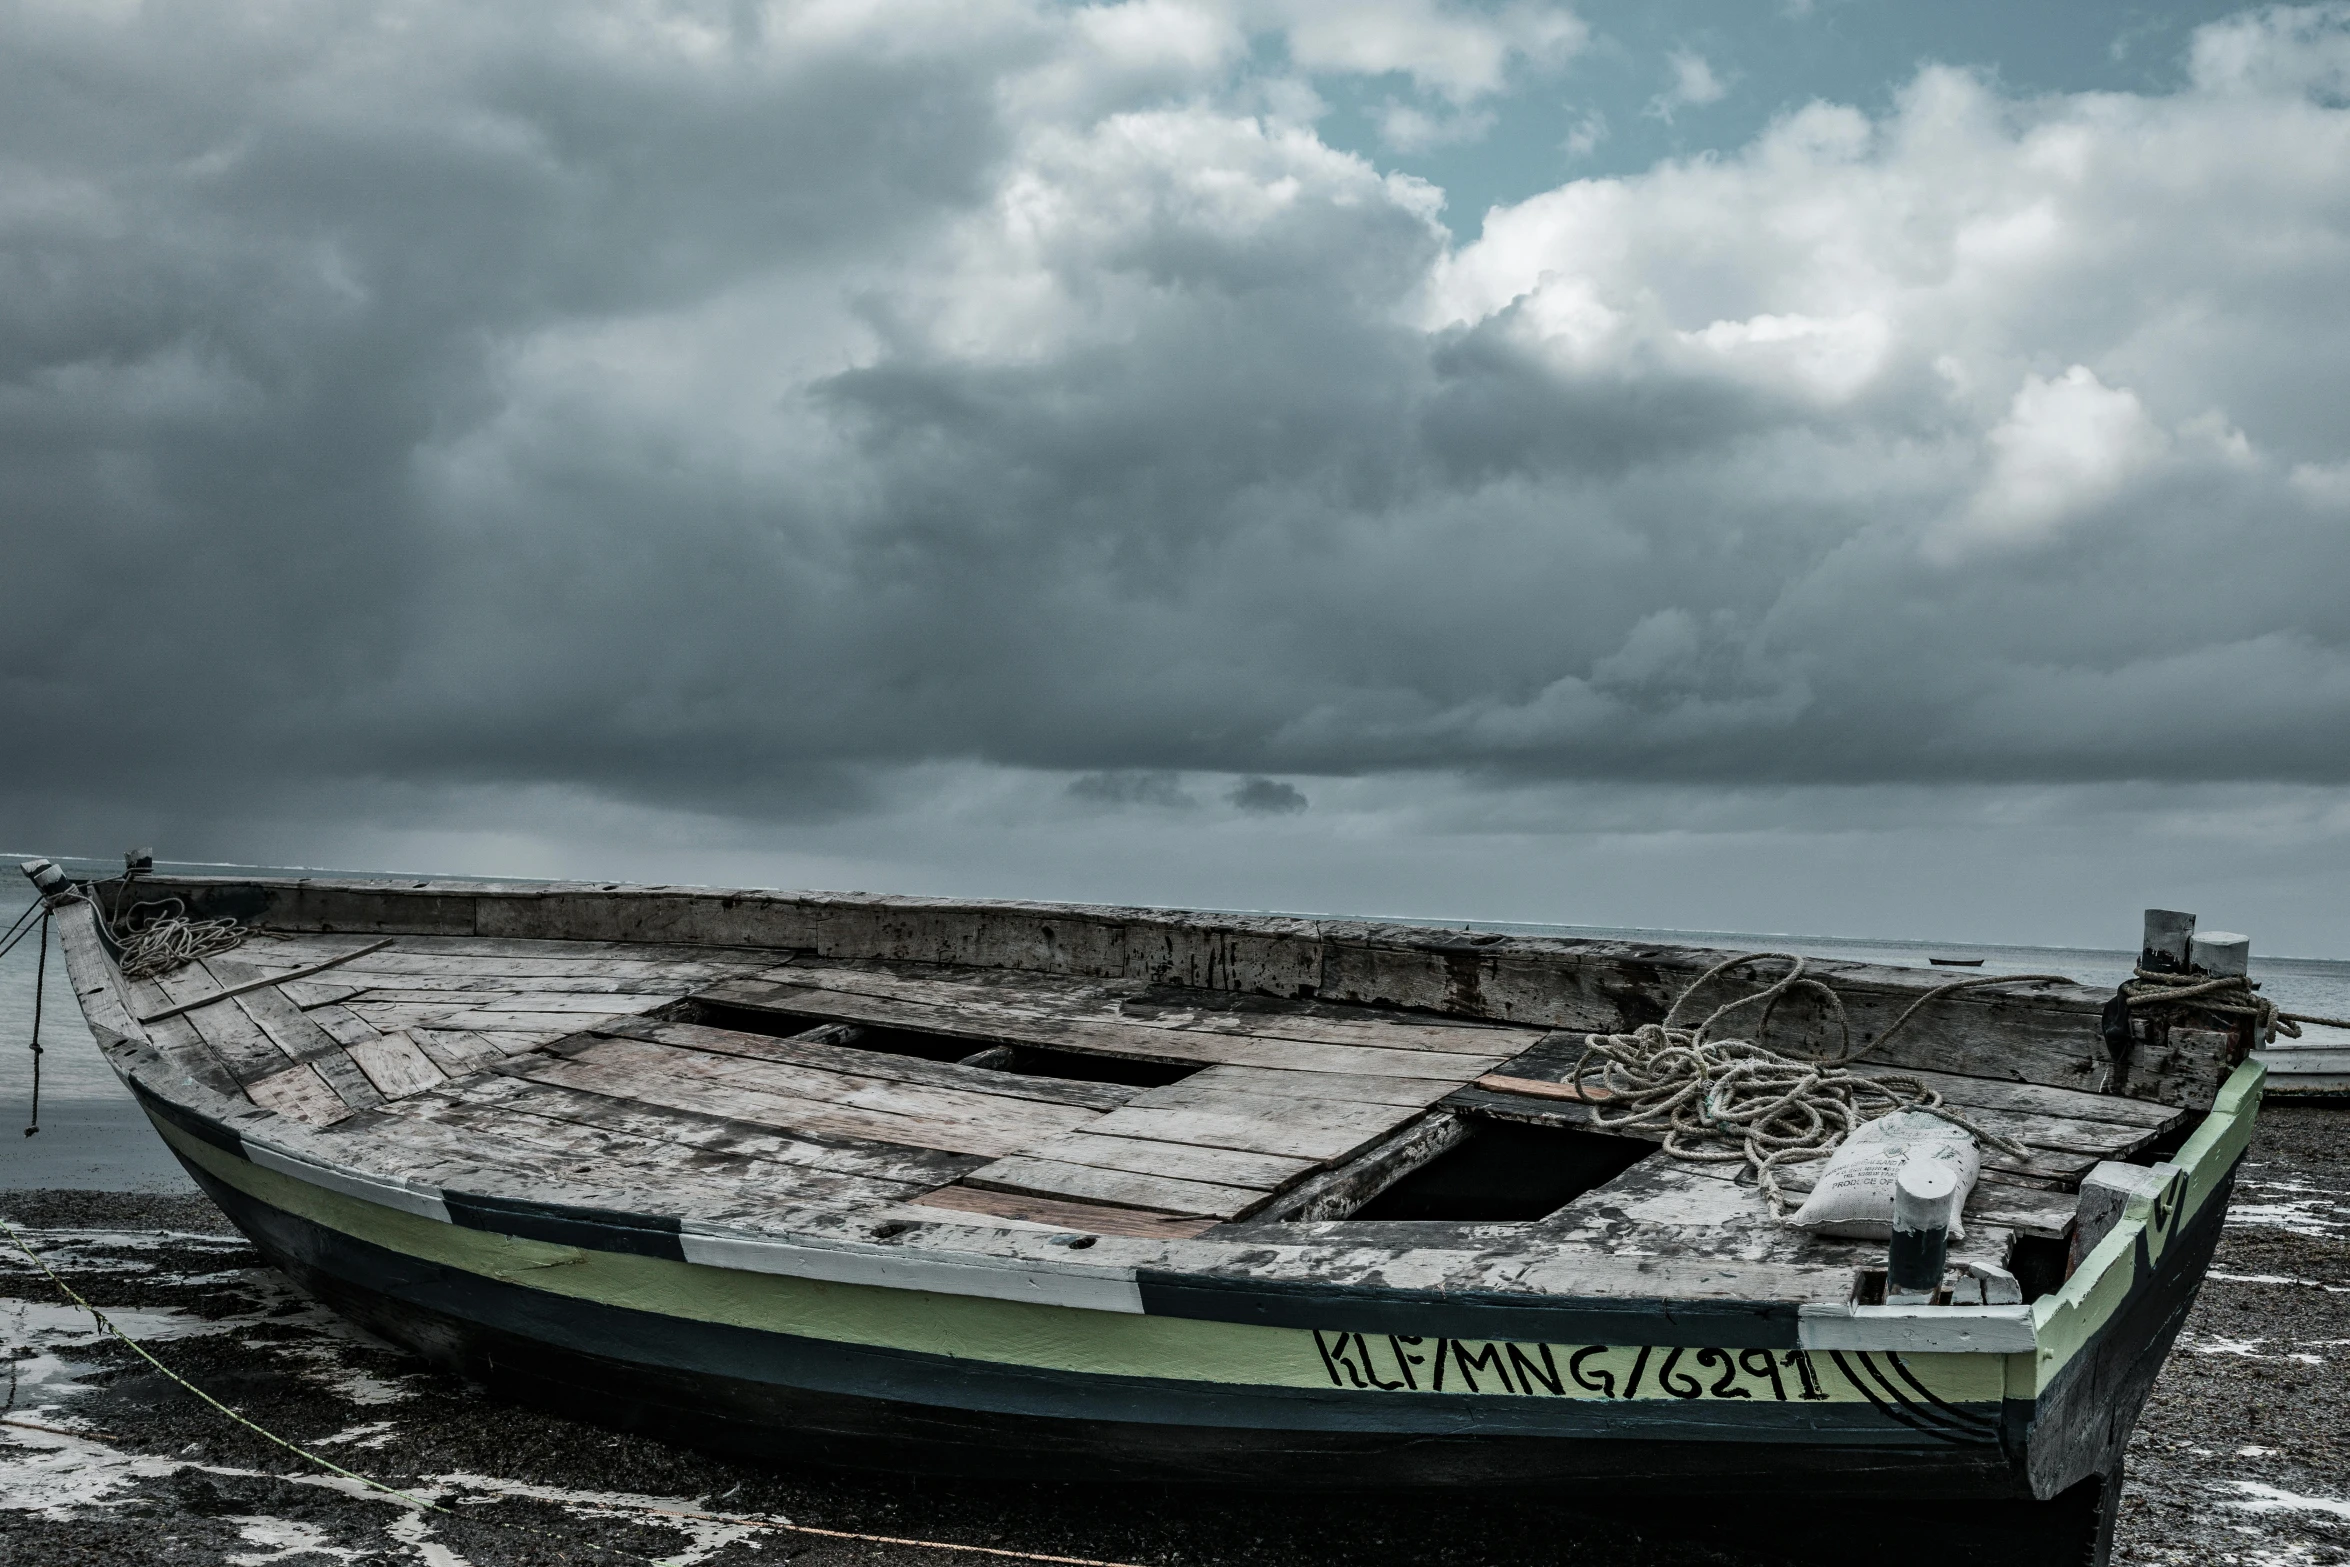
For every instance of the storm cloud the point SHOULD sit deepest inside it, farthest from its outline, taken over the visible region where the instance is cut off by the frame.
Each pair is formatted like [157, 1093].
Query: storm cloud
[735, 409]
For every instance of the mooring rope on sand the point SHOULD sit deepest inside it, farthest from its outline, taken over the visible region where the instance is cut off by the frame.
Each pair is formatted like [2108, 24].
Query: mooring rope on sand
[426, 1504]
[1739, 1101]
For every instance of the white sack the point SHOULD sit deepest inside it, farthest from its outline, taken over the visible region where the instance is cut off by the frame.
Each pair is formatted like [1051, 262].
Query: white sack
[1855, 1194]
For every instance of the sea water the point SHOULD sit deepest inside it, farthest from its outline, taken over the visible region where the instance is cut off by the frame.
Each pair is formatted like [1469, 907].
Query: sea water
[93, 1136]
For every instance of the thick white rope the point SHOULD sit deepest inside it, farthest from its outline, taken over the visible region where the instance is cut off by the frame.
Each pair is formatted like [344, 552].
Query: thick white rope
[170, 940]
[1736, 1100]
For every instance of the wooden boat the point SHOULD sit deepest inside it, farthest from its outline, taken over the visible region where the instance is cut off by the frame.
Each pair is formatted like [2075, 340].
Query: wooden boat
[1025, 1189]
[1956, 962]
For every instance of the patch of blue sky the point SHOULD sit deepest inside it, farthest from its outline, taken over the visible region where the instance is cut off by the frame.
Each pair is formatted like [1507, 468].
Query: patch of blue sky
[1671, 79]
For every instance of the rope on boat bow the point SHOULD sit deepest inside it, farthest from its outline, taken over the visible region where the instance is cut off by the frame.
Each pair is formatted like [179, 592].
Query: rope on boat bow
[1739, 1101]
[2230, 995]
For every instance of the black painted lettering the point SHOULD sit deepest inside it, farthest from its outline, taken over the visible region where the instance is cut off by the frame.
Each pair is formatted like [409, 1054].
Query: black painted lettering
[1605, 1387]
[1370, 1370]
[1664, 1378]
[1762, 1363]
[1802, 1364]
[1489, 1362]
[1725, 1385]
[1334, 1355]
[1528, 1375]
[1404, 1360]
[1639, 1364]
[1443, 1348]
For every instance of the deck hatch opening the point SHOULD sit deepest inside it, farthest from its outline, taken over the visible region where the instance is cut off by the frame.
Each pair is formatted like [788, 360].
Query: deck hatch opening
[1023, 1060]
[1504, 1172]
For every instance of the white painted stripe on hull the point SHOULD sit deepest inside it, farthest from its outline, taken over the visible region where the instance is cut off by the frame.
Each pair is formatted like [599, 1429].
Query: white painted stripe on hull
[1924, 1330]
[426, 1202]
[1091, 1289]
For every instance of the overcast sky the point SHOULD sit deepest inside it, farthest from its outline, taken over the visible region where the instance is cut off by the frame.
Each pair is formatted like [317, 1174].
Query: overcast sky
[1830, 467]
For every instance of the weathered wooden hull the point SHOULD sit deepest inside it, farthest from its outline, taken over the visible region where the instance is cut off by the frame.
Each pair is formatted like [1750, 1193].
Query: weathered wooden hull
[559, 1141]
[586, 1313]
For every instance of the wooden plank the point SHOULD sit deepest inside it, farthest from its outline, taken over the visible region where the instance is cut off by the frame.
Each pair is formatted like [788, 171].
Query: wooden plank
[1119, 1188]
[920, 1167]
[999, 1116]
[1180, 1161]
[1126, 1039]
[485, 947]
[513, 1042]
[1036, 995]
[1082, 1218]
[670, 1178]
[387, 1017]
[457, 987]
[2070, 1104]
[455, 1051]
[309, 993]
[1340, 1190]
[178, 1042]
[550, 1003]
[1540, 1088]
[301, 1038]
[242, 1047]
[1323, 1131]
[801, 1050]
[397, 1066]
[300, 1094]
[1416, 1093]
[344, 1026]
[402, 965]
[781, 1112]
[517, 1020]
[254, 979]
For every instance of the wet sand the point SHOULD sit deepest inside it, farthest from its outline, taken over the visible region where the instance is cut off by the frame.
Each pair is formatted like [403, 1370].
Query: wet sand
[2243, 1457]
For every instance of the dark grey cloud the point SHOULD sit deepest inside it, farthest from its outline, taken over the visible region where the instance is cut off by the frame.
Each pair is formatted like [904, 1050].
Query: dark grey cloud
[731, 411]
[1268, 797]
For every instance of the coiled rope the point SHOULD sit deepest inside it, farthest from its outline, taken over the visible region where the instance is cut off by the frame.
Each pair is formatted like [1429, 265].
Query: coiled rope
[170, 939]
[1739, 1101]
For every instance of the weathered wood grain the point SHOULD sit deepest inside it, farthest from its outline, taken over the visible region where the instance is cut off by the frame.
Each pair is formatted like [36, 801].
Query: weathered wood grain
[919, 1167]
[1120, 1188]
[783, 1112]
[247, 1052]
[996, 1115]
[801, 1051]
[301, 1094]
[1079, 1218]
[1226, 1167]
[1322, 1131]
[397, 1066]
[981, 993]
[1100, 1038]
[1336, 1192]
[666, 1177]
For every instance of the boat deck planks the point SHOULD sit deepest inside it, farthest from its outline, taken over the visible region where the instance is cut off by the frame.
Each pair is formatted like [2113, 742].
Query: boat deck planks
[1104, 1035]
[514, 1066]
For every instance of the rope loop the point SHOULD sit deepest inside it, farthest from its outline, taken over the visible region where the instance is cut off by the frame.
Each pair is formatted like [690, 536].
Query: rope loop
[170, 939]
[1727, 1100]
